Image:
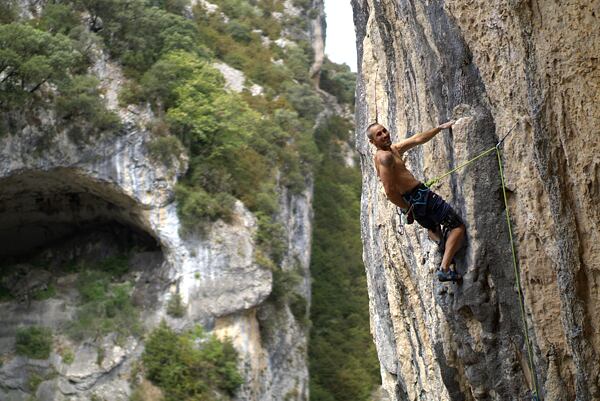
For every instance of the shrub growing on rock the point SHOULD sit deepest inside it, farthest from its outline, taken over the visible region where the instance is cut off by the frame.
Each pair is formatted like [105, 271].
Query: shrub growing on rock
[105, 305]
[175, 306]
[34, 342]
[192, 365]
[80, 105]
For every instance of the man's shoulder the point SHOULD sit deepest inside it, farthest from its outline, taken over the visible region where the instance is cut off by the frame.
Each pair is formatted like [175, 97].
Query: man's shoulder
[384, 157]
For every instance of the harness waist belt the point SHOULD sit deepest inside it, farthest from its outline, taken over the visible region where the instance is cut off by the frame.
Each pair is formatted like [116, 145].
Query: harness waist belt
[415, 189]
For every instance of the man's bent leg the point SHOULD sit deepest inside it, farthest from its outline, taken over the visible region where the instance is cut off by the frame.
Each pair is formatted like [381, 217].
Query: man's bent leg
[453, 244]
[435, 234]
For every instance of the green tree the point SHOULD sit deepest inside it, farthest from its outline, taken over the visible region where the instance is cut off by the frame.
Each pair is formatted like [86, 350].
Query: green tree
[306, 102]
[58, 18]
[160, 83]
[30, 57]
[8, 11]
[172, 6]
[338, 80]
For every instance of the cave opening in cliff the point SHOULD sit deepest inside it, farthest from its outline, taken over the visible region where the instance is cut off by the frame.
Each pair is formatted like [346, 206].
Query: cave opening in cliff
[62, 215]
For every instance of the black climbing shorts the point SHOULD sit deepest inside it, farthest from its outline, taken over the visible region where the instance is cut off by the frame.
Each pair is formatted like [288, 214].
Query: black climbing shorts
[430, 210]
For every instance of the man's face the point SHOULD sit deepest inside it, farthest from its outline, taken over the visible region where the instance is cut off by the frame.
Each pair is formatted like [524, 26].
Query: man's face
[380, 137]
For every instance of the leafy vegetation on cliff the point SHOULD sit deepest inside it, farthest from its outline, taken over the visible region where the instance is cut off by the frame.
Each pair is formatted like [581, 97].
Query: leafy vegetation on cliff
[191, 366]
[105, 300]
[240, 146]
[43, 63]
[343, 363]
[34, 342]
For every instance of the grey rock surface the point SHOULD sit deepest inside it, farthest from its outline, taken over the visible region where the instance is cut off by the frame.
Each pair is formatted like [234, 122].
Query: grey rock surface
[46, 195]
[495, 65]
[52, 185]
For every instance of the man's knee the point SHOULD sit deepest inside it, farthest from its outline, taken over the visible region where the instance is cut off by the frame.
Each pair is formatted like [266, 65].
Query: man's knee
[459, 230]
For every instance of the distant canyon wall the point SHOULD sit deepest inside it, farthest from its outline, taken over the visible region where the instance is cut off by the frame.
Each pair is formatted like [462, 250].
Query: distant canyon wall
[51, 186]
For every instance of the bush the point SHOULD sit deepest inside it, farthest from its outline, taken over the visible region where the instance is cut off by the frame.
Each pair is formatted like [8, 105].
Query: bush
[67, 356]
[58, 18]
[34, 342]
[138, 34]
[105, 306]
[8, 11]
[299, 308]
[41, 295]
[338, 80]
[80, 104]
[298, 63]
[190, 366]
[270, 237]
[285, 291]
[172, 6]
[305, 100]
[303, 4]
[165, 148]
[159, 85]
[196, 207]
[236, 8]
[131, 93]
[175, 306]
[239, 32]
[116, 265]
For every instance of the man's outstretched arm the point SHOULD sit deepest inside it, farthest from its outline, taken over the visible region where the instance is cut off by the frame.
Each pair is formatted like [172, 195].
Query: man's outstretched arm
[420, 138]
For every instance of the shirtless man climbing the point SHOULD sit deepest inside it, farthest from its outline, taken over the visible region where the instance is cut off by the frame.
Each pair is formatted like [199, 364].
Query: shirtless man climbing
[413, 197]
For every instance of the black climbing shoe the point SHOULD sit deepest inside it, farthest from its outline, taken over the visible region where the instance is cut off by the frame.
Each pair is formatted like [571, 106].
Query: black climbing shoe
[449, 275]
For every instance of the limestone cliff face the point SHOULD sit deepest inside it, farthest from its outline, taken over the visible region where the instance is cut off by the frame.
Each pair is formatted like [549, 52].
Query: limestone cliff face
[496, 64]
[114, 182]
[52, 187]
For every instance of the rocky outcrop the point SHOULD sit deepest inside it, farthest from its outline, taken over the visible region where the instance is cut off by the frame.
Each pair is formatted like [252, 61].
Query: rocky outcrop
[49, 196]
[271, 338]
[54, 189]
[498, 65]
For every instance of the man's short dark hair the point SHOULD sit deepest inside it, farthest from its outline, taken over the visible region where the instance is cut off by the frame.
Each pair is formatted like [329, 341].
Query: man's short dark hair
[369, 129]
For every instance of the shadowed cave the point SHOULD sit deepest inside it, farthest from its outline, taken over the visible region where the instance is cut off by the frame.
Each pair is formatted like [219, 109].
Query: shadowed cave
[42, 210]
[56, 224]
[62, 234]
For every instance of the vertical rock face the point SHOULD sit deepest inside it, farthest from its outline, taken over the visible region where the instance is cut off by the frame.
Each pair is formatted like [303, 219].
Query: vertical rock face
[270, 338]
[496, 65]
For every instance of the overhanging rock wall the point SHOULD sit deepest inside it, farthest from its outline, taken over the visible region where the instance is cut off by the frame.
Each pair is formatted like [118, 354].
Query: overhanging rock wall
[531, 65]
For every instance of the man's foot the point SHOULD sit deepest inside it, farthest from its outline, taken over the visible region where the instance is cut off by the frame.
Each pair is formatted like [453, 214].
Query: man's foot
[449, 275]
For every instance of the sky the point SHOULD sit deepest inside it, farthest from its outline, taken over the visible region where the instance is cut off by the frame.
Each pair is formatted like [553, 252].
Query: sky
[340, 45]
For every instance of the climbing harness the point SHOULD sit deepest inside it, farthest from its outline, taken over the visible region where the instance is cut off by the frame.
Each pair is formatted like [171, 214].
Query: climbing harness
[535, 392]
